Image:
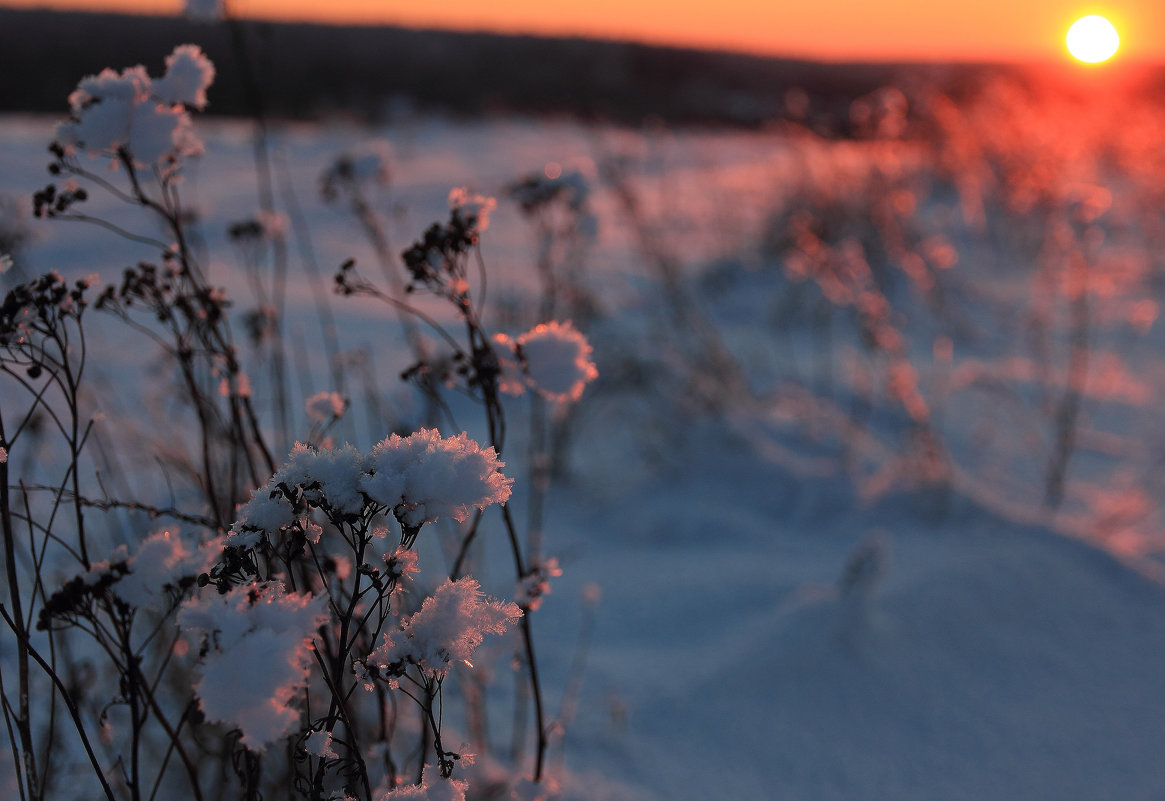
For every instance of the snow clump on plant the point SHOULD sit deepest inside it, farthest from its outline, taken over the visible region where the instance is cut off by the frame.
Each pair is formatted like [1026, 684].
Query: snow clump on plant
[319, 743]
[419, 478]
[129, 112]
[425, 476]
[189, 74]
[450, 625]
[555, 359]
[162, 561]
[257, 644]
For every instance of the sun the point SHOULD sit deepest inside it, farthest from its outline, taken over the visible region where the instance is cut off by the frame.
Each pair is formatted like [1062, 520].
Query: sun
[1092, 39]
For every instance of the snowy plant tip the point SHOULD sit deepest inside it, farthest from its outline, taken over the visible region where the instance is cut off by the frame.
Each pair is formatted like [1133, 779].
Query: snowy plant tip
[163, 563]
[130, 111]
[432, 788]
[425, 476]
[448, 628]
[554, 358]
[472, 207]
[258, 640]
[419, 478]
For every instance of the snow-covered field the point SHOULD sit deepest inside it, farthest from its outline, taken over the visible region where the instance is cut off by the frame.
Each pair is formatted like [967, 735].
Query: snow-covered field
[808, 552]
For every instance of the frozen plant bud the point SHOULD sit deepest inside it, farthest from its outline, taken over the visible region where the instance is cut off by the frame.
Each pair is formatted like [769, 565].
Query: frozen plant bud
[557, 359]
[5, 263]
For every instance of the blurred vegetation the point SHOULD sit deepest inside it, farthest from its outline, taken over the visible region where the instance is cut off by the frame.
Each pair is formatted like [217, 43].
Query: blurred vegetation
[310, 71]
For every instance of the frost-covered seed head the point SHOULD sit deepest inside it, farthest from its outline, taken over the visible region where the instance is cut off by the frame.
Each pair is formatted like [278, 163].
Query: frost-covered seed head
[449, 627]
[557, 360]
[425, 476]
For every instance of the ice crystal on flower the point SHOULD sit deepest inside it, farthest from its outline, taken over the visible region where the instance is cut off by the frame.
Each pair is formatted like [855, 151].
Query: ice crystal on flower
[402, 565]
[258, 654]
[557, 358]
[426, 476]
[449, 627]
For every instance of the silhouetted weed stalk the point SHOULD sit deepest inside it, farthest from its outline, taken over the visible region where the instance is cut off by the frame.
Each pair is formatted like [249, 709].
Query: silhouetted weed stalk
[275, 641]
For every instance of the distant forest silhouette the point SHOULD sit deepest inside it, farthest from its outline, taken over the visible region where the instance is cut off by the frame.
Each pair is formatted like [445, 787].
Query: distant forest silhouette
[310, 71]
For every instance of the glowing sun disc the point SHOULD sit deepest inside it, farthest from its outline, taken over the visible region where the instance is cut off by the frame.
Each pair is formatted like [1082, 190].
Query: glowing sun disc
[1092, 39]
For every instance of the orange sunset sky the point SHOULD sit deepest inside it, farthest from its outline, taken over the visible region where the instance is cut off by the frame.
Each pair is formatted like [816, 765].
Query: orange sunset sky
[1010, 30]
